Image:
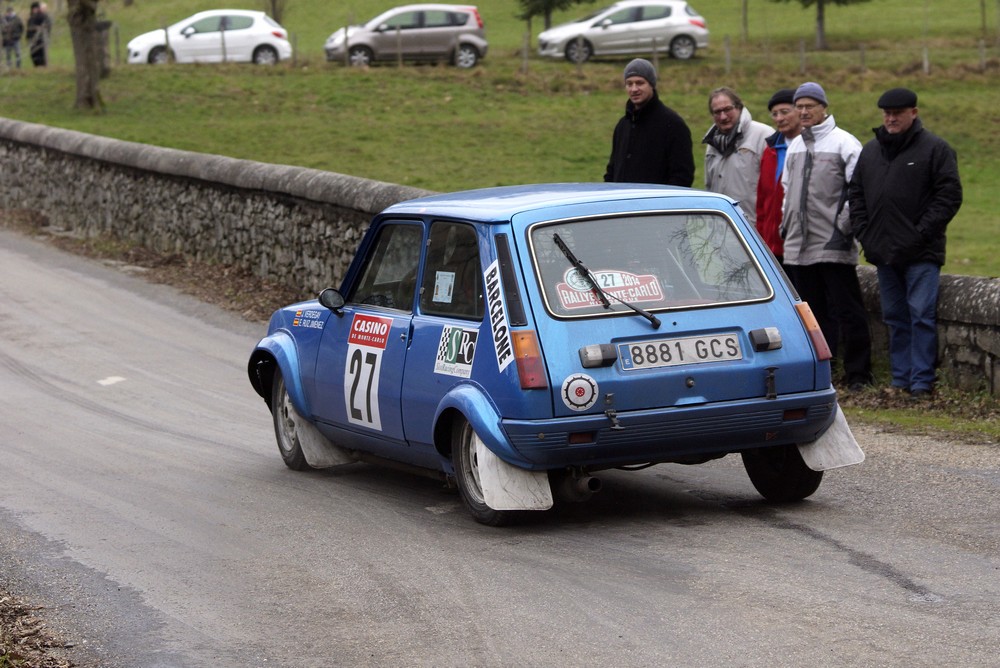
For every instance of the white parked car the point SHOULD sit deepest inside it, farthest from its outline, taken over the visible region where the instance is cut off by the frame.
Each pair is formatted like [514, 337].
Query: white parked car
[629, 27]
[216, 36]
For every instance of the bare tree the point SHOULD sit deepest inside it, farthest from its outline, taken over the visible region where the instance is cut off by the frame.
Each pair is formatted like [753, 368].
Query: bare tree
[82, 16]
[821, 16]
[274, 8]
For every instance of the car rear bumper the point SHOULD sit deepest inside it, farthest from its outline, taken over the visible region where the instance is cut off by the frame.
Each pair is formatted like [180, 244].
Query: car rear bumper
[671, 434]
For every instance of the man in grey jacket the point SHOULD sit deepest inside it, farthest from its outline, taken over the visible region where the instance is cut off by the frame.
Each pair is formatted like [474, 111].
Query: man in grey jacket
[734, 146]
[821, 256]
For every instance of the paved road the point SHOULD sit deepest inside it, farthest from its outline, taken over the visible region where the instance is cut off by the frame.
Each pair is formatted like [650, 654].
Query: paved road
[143, 501]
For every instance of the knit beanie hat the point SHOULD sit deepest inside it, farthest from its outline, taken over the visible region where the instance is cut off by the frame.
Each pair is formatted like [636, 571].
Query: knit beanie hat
[812, 90]
[783, 96]
[641, 68]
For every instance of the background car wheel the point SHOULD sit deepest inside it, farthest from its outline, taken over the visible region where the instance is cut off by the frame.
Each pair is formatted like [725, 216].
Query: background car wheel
[158, 55]
[265, 55]
[286, 421]
[466, 56]
[463, 452]
[360, 56]
[579, 51]
[682, 47]
[779, 473]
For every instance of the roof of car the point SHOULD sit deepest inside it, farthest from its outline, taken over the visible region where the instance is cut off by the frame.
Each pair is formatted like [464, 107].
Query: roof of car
[501, 203]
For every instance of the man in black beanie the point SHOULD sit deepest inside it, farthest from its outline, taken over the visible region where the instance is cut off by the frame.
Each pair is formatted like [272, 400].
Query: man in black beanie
[651, 143]
[904, 192]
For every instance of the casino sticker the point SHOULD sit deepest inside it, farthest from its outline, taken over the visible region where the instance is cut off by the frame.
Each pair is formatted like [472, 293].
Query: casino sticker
[579, 392]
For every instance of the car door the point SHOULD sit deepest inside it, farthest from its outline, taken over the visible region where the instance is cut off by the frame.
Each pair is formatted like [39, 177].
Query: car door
[238, 38]
[614, 32]
[651, 26]
[438, 34]
[399, 33]
[201, 41]
[359, 369]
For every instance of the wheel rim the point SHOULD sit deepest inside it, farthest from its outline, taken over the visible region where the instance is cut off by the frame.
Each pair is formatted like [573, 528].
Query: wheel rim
[466, 57]
[577, 53]
[266, 57]
[360, 57]
[470, 466]
[158, 57]
[287, 421]
[682, 48]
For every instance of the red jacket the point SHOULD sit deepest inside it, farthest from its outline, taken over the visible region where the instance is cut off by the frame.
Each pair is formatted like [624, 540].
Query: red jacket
[770, 195]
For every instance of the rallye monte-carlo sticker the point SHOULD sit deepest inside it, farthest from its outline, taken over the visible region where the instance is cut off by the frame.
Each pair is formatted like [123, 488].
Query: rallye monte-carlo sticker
[456, 351]
[365, 345]
[498, 317]
[576, 292]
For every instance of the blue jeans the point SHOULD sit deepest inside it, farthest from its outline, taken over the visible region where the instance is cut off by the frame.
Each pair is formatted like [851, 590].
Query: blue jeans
[909, 307]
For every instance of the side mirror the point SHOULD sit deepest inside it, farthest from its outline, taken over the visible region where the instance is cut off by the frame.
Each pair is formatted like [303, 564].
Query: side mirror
[187, 32]
[332, 299]
[382, 28]
[605, 23]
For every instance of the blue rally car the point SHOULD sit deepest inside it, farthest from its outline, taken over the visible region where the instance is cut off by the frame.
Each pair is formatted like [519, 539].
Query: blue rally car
[517, 340]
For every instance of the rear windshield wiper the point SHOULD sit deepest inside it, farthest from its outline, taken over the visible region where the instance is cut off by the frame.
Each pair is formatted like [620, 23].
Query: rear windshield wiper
[601, 292]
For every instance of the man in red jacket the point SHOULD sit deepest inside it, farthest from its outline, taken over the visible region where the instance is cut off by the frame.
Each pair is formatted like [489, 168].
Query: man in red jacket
[769, 191]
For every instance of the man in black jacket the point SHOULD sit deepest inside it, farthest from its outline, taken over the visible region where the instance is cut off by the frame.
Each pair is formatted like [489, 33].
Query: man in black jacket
[651, 143]
[904, 192]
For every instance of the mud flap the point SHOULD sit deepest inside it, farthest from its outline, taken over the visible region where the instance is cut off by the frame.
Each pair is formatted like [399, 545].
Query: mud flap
[834, 449]
[320, 453]
[507, 487]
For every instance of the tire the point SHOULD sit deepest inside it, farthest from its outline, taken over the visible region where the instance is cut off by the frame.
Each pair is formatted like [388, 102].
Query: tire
[158, 56]
[579, 51]
[265, 55]
[286, 420]
[779, 473]
[683, 47]
[463, 452]
[360, 56]
[466, 56]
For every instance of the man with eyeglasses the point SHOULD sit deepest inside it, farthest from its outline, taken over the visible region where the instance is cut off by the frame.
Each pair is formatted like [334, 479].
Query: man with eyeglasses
[651, 143]
[770, 194]
[821, 255]
[733, 148]
[904, 192]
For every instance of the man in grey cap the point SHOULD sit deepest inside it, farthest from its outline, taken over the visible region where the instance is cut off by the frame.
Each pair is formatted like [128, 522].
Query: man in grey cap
[821, 255]
[904, 192]
[651, 143]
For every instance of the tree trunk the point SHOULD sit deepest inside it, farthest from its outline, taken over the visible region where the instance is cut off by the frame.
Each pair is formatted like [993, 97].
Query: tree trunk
[82, 16]
[820, 25]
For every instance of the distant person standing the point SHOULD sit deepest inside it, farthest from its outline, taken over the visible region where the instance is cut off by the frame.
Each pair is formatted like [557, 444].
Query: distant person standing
[904, 192]
[821, 256]
[651, 143]
[770, 194]
[733, 149]
[12, 29]
[37, 35]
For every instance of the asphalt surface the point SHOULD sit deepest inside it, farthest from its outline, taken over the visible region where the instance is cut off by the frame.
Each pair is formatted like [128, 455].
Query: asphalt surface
[143, 503]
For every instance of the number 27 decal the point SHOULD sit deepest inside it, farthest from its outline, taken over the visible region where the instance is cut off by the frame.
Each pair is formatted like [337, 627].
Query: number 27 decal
[367, 340]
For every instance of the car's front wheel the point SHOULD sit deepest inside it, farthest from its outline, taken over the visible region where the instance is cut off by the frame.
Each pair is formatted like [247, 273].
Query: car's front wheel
[360, 56]
[158, 55]
[466, 463]
[265, 55]
[466, 56]
[286, 425]
[779, 473]
[579, 51]
[682, 47]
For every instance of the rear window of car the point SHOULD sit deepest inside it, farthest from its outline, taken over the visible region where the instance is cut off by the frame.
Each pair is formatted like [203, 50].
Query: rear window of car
[444, 19]
[657, 261]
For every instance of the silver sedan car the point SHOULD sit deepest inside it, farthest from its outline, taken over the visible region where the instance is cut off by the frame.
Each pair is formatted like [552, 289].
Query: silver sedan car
[629, 27]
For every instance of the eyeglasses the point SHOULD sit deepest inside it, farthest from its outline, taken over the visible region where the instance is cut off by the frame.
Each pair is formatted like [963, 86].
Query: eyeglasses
[781, 113]
[723, 111]
[805, 107]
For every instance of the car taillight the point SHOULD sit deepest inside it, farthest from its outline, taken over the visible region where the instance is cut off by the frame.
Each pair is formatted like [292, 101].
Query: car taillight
[815, 333]
[530, 370]
[278, 34]
[479, 20]
[697, 22]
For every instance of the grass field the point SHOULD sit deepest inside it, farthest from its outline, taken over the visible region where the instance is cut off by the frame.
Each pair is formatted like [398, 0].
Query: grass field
[444, 129]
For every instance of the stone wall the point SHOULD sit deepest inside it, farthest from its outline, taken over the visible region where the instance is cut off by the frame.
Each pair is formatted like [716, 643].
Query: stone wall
[300, 227]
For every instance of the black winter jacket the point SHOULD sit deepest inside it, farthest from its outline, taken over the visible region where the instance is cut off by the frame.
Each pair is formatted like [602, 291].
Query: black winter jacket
[651, 145]
[903, 194]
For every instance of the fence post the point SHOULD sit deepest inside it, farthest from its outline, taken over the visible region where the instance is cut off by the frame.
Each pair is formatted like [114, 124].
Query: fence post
[524, 50]
[864, 66]
[399, 46]
[927, 61]
[982, 55]
[656, 57]
[802, 55]
[729, 54]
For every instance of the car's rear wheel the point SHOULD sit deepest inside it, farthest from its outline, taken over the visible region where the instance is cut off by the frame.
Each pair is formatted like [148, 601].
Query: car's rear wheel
[682, 47]
[158, 55]
[579, 51]
[779, 473]
[466, 463]
[265, 55]
[360, 56]
[286, 425]
[466, 56]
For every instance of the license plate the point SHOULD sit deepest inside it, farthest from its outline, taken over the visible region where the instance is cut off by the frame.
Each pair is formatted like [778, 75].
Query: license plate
[675, 352]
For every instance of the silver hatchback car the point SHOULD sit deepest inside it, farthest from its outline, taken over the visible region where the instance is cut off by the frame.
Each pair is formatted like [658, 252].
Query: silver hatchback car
[430, 32]
[629, 27]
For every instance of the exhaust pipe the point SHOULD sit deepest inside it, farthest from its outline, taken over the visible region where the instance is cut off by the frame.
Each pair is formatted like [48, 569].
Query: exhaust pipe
[577, 488]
